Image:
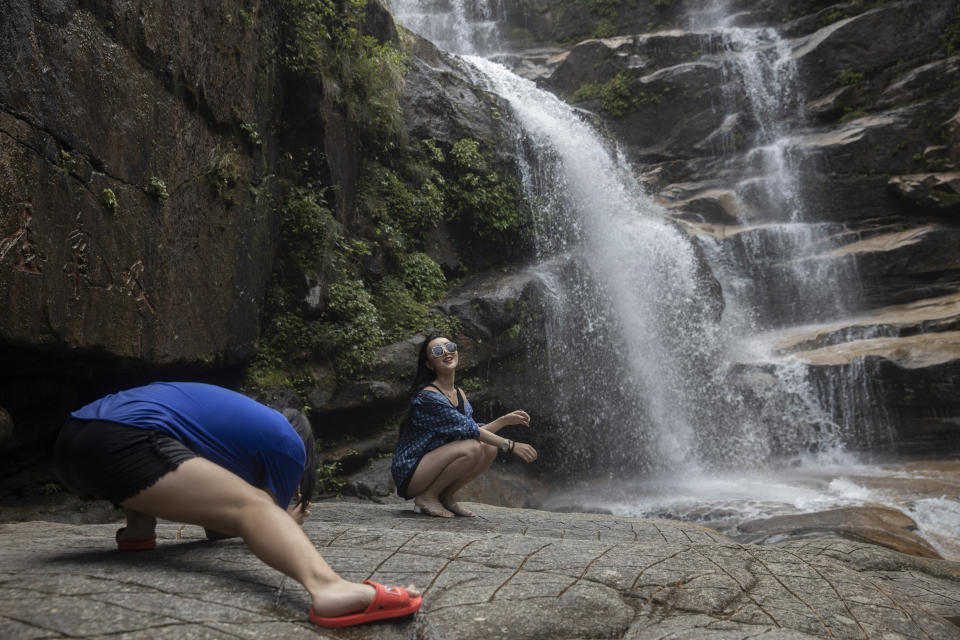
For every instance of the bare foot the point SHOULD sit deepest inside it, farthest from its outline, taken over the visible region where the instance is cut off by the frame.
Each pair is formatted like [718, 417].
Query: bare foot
[458, 510]
[139, 527]
[340, 598]
[431, 508]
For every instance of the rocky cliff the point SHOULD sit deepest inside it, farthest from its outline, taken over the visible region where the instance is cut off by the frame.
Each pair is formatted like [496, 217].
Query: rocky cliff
[847, 255]
[136, 157]
[206, 191]
[236, 192]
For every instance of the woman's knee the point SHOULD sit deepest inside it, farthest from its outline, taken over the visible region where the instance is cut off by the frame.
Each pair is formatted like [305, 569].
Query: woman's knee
[489, 451]
[475, 449]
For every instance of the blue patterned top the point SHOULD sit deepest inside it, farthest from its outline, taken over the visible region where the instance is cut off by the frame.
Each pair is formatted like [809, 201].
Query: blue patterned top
[434, 422]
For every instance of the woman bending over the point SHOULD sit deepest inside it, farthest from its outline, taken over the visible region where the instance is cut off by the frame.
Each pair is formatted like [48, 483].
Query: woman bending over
[441, 447]
[209, 456]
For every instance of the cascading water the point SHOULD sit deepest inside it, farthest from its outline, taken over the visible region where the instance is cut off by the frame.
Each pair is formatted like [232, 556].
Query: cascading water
[632, 299]
[638, 288]
[457, 26]
[777, 270]
[629, 300]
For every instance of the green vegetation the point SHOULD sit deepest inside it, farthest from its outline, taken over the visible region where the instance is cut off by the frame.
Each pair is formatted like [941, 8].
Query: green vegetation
[951, 34]
[110, 201]
[606, 8]
[616, 96]
[848, 77]
[247, 19]
[223, 170]
[470, 384]
[478, 194]
[252, 134]
[66, 160]
[346, 282]
[329, 480]
[362, 75]
[604, 29]
[158, 189]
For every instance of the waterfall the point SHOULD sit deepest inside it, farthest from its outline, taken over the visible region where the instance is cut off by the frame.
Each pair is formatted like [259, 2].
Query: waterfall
[630, 300]
[638, 358]
[780, 271]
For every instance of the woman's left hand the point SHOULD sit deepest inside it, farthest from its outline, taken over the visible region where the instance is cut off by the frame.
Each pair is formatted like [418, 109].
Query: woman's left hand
[299, 512]
[524, 451]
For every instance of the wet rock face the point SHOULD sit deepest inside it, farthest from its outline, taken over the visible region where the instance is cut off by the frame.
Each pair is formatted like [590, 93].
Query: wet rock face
[860, 107]
[135, 210]
[133, 138]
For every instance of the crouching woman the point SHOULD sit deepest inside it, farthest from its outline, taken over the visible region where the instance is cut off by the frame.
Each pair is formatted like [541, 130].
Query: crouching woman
[441, 447]
[205, 455]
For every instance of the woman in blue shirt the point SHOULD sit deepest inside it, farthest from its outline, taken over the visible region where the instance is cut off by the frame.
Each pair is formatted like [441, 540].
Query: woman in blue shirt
[441, 447]
[205, 455]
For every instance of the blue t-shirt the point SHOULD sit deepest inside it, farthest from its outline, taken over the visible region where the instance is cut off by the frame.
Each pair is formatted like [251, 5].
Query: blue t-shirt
[225, 427]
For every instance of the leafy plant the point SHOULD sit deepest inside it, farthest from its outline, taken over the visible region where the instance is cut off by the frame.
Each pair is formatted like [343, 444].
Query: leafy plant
[848, 77]
[615, 95]
[158, 189]
[110, 201]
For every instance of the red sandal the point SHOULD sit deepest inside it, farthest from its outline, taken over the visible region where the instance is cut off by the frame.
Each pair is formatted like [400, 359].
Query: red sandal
[135, 545]
[389, 602]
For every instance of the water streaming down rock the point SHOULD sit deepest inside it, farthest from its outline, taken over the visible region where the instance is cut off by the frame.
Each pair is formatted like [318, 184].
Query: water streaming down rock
[456, 26]
[630, 303]
[786, 271]
[636, 354]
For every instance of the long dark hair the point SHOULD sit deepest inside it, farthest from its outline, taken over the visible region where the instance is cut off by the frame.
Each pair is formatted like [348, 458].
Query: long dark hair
[423, 376]
[308, 481]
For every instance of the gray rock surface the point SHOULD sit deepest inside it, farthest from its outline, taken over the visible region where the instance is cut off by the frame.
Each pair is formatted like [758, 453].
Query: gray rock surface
[509, 573]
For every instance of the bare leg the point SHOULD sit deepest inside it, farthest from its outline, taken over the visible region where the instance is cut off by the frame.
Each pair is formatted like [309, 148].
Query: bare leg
[487, 456]
[140, 526]
[203, 493]
[441, 468]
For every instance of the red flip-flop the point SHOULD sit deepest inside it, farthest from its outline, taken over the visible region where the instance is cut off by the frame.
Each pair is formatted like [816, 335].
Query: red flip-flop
[389, 602]
[135, 545]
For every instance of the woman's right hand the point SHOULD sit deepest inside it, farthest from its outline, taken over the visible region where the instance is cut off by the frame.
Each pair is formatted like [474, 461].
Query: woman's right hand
[524, 451]
[515, 417]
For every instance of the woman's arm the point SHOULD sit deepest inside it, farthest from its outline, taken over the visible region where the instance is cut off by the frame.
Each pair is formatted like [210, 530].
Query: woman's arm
[514, 417]
[488, 435]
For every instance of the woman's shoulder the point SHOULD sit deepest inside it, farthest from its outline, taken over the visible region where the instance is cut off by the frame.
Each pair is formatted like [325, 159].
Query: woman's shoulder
[428, 395]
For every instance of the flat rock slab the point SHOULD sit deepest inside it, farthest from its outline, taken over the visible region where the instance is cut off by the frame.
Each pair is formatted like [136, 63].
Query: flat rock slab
[510, 573]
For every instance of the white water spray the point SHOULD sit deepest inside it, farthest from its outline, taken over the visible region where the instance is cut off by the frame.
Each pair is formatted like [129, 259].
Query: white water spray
[456, 26]
[639, 269]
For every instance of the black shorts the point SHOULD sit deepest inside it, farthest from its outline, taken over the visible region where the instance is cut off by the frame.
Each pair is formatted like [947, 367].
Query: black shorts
[112, 461]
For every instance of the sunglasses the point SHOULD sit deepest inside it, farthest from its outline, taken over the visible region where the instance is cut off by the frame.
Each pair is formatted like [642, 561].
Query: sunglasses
[437, 350]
